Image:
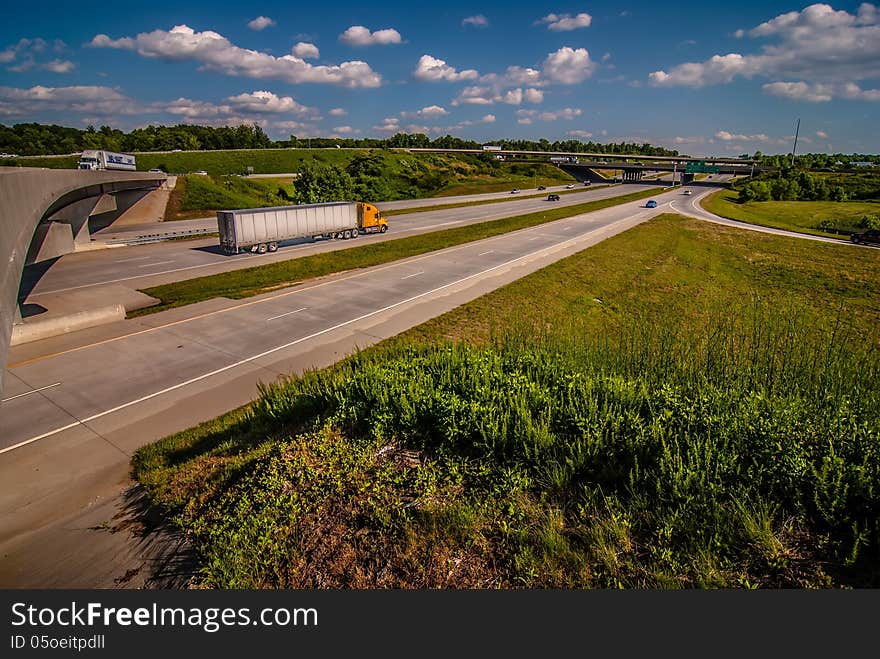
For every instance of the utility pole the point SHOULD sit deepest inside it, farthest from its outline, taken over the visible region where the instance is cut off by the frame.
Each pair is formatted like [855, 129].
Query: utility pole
[794, 149]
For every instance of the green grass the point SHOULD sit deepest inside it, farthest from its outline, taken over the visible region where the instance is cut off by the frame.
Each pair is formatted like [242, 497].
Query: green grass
[801, 216]
[194, 195]
[247, 282]
[689, 405]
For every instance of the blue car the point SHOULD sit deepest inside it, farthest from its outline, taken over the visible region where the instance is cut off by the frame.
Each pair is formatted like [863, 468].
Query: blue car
[651, 204]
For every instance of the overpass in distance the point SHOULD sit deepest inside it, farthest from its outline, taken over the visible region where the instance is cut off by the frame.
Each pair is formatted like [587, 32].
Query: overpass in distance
[584, 166]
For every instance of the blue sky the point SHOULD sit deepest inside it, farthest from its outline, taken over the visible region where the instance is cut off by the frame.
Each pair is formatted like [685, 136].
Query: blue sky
[705, 78]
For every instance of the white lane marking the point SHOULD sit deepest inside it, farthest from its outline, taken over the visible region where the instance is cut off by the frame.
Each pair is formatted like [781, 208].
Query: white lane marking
[415, 274]
[535, 238]
[282, 315]
[139, 258]
[326, 330]
[566, 228]
[491, 251]
[32, 391]
[150, 265]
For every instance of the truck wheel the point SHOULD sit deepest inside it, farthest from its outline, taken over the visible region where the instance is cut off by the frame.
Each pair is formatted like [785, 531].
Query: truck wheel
[273, 247]
[261, 248]
[346, 234]
[383, 229]
[354, 233]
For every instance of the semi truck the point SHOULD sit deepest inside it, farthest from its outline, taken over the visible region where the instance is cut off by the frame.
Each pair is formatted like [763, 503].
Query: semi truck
[261, 229]
[105, 160]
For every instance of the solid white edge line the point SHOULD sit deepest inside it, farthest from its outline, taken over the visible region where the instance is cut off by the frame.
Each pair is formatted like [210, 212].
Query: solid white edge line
[326, 330]
[28, 393]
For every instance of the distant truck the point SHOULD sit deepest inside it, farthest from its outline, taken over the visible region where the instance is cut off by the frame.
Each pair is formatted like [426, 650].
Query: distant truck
[105, 160]
[261, 229]
[491, 147]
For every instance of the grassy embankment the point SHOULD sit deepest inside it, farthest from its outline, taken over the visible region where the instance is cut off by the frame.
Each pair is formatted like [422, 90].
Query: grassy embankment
[261, 279]
[682, 405]
[389, 175]
[802, 216]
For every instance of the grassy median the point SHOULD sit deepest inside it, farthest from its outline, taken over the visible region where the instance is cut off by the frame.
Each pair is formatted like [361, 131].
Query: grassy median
[682, 405]
[263, 278]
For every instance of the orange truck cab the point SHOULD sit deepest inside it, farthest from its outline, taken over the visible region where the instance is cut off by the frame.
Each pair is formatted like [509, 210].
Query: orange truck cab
[370, 220]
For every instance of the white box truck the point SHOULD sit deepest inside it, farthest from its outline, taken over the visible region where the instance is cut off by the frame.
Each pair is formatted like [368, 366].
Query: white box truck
[261, 229]
[105, 160]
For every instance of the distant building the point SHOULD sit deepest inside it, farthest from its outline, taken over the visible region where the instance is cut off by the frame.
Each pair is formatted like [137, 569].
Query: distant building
[862, 163]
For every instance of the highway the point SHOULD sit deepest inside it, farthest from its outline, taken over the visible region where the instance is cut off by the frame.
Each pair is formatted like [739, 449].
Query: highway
[160, 263]
[76, 410]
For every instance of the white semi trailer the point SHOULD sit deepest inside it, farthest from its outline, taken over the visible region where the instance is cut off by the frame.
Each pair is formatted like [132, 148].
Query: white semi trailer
[105, 160]
[261, 229]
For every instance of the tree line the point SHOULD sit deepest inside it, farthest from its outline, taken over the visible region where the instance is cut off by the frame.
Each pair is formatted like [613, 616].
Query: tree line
[34, 139]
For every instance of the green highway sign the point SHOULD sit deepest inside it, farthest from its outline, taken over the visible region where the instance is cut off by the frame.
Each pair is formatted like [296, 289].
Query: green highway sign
[700, 167]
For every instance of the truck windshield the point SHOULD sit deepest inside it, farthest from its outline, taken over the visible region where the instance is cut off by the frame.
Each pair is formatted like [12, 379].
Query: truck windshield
[88, 160]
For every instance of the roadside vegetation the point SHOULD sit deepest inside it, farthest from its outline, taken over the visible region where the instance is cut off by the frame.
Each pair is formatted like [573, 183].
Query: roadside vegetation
[350, 175]
[682, 405]
[821, 218]
[247, 282]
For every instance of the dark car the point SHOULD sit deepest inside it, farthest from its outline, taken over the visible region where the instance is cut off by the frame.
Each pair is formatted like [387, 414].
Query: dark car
[870, 236]
[651, 204]
[552, 197]
[542, 187]
[587, 182]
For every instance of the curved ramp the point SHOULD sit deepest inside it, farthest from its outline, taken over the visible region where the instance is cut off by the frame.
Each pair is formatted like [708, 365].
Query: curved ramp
[44, 213]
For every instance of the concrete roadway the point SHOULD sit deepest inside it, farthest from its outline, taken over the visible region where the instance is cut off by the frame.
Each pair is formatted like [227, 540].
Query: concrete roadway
[77, 406]
[160, 263]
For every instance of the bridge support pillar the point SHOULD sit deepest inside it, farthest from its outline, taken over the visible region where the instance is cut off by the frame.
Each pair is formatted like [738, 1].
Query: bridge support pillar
[51, 240]
[77, 216]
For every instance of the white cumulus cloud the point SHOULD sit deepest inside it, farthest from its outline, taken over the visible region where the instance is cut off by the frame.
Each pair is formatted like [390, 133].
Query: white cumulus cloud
[432, 69]
[569, 66]
[306, 50]
[261, 23]
[826, 51]
[429, 111]
[338, 112]
[216, 53]
[94, 100]
[358, 35]
[566, 22]
[529, 116]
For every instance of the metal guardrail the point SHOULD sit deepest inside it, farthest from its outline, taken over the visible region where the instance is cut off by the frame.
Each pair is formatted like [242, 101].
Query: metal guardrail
[158, 237]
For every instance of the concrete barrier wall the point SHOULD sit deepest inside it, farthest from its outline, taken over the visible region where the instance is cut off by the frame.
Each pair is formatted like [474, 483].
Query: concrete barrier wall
[36, 330]
[29, 194]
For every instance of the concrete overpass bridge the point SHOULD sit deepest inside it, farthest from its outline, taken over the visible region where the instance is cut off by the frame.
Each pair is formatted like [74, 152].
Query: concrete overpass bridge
[46, 213]
[633, 166]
